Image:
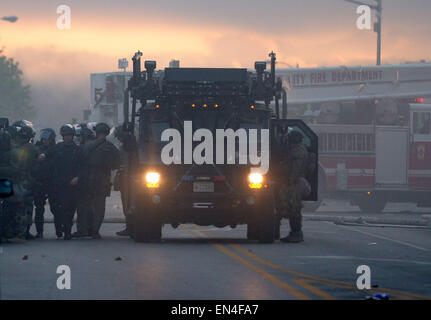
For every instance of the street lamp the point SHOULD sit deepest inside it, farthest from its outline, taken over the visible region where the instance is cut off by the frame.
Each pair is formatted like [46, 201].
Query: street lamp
[11, 19]
[378, 25]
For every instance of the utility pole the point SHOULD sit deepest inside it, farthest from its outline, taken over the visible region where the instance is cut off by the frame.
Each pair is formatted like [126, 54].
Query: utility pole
[378, 29]
[377, 26]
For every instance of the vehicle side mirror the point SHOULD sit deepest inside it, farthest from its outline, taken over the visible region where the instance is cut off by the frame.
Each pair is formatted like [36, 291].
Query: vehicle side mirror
[6, 188]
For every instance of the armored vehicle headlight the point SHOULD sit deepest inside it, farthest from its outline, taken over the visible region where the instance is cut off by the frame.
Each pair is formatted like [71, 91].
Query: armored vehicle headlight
[152, 179]
[255, 180]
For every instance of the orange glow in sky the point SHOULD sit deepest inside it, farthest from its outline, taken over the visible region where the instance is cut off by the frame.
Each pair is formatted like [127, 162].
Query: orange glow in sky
[202, 34]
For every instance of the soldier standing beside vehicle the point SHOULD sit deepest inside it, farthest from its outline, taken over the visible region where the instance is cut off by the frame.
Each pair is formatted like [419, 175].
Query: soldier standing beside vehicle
[100, 158]
[43, 185]
[128, 160]
[291, 192]
[65, 160]
[83, 212]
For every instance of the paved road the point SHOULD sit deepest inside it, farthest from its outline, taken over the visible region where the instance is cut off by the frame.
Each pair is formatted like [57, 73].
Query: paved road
[329, 206]
[209, 263]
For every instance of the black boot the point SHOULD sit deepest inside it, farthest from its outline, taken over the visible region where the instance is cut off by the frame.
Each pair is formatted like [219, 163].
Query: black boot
[294, 237]
[67, 232]
[59, 230]
[96, 235]
[28, 235]
[295, 234]
[77, 234]
[124, 232]
[39, 230]
[58, 227]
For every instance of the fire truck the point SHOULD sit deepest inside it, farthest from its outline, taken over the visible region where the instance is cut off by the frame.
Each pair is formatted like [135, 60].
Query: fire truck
[373, 124]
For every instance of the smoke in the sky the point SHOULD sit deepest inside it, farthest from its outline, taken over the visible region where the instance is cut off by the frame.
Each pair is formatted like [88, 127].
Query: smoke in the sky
[308, 33]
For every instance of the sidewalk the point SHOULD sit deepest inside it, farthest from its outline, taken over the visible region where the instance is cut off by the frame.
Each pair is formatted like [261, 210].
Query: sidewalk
[341, 212]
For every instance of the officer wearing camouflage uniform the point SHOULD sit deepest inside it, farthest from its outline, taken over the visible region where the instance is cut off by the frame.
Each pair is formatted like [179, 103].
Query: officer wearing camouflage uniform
[43, 187]
[100, 158]
[5, 170]
[22, 163]
[65, 161]
[293, 169]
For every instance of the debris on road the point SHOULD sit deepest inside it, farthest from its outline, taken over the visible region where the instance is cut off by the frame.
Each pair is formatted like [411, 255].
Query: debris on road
[378, 296]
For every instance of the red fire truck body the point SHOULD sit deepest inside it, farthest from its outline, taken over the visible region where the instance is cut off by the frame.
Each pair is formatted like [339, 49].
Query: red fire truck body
[374, 130]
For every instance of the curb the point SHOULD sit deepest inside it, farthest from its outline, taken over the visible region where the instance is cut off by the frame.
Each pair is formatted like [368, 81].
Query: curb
[106, 220]
[424, 221]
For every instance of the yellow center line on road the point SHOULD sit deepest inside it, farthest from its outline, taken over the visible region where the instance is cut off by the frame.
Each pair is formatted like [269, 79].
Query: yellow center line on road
[317, 280]
[301, 282]
[289, 289]
[318, 292]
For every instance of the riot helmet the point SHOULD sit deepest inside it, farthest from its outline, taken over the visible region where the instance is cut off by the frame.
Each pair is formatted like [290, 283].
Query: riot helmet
[23, 129]
[47, 134]
[102, 128]
[83, 131]
[87, 133]
[23, 123]
[67, 130]
[25, 132]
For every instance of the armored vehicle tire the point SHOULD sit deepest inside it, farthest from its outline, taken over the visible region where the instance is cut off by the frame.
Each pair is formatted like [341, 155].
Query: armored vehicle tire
[146, 227]
[262, 231]
[267, 228]
[277, 228]
[252, 231]
[129, 226]
[367, 205]
[263, 227]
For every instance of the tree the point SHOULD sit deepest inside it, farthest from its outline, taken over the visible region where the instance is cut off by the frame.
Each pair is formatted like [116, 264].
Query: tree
[15, 96]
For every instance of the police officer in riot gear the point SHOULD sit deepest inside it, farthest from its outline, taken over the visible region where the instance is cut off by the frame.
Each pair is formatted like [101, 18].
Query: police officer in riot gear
[65, 160]
[83, 221]
[100, 158]
[84, 134]
[291, 191]
[43, 182]
[25, 124]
